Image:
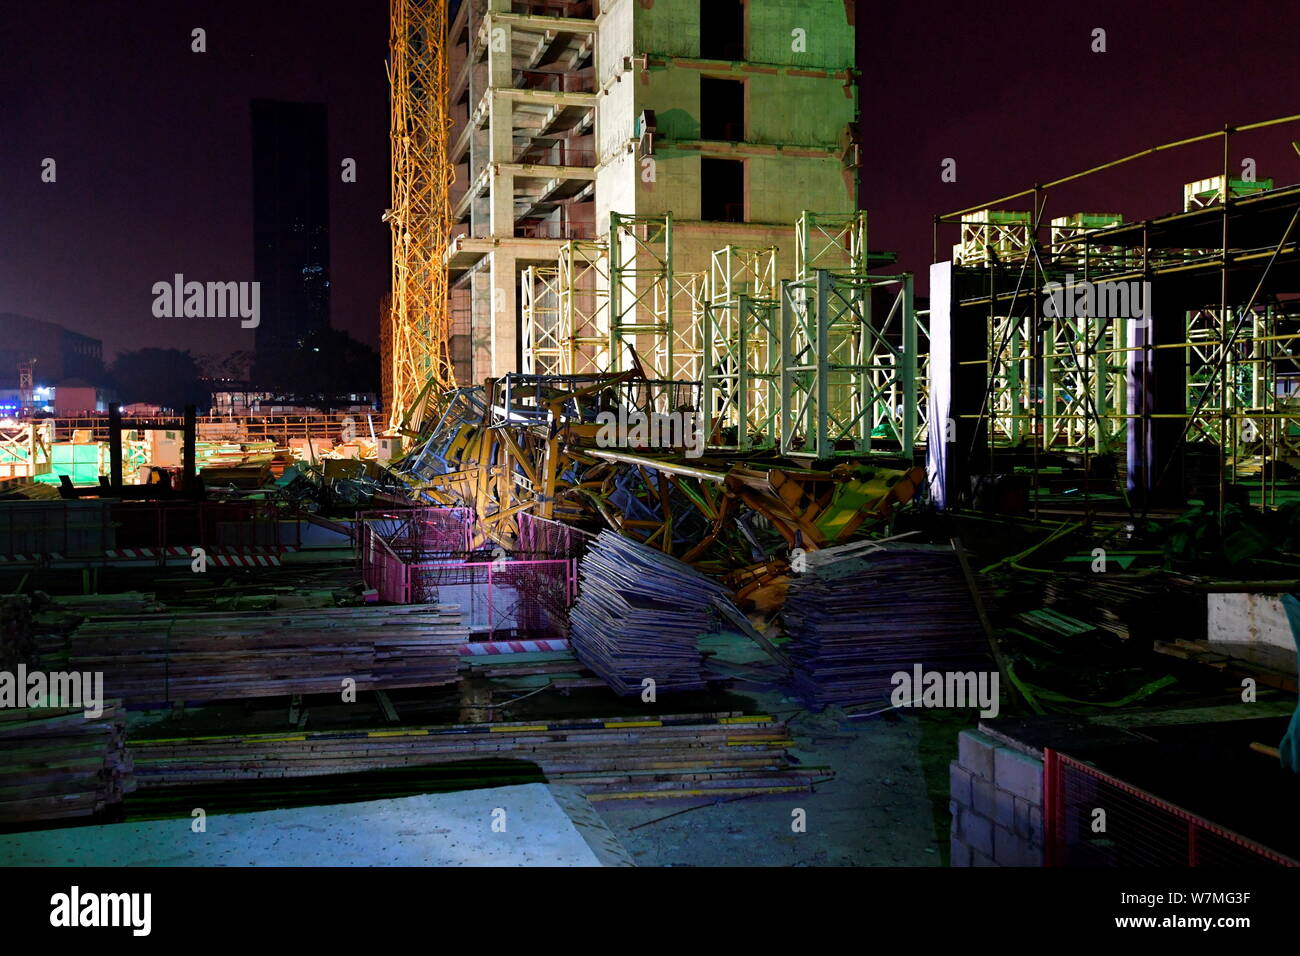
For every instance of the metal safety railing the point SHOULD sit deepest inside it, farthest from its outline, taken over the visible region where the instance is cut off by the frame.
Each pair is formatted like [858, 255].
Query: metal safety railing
[423, 556]
[245, 428]
[1094, 819]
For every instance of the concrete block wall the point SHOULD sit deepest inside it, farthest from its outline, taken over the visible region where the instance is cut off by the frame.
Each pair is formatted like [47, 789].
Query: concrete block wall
[996, 803]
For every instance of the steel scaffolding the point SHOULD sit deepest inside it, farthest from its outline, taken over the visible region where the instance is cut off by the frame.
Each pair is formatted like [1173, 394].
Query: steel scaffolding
[742, 348]
[1209, 371]
[565, 310]
[834, 241]
[690, 297]
[544, 348]
[584, 307]
[848, 378]
[641, 295]
[805, 366]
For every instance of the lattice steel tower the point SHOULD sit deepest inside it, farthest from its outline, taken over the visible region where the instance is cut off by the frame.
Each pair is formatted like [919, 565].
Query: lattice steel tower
[415, 341]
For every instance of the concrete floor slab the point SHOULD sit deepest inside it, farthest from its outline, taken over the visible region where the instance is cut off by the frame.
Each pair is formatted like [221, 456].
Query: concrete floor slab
[528, 825]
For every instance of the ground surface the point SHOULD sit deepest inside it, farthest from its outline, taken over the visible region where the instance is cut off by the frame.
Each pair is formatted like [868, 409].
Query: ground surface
[502, 826]
[886, 806]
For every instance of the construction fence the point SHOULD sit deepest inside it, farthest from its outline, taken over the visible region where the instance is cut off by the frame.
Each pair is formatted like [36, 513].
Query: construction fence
[1094, 819]
[424, 556]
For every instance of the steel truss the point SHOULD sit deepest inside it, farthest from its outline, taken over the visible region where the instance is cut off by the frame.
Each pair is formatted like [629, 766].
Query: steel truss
[847, 378]
[418, 334]
[741, 371]
[641, 294]
[834, 241]
[803, 366]
[1092, 384]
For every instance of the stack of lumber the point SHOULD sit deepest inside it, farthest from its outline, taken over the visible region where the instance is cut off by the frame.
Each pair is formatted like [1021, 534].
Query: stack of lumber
[854, 623]
[56, 762]
[149, 659]
[17, 643]
[716, 754]
[125, 602]
[1105, 604]
[1276, 674]
[638, 614]
[1047, 621]
[1125, 606]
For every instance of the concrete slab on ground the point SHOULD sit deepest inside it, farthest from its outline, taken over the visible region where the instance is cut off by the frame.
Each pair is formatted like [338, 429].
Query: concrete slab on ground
[881, 809]
[540, 826]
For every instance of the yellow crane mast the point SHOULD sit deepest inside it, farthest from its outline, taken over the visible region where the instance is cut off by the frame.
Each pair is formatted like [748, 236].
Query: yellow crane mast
[415, 331]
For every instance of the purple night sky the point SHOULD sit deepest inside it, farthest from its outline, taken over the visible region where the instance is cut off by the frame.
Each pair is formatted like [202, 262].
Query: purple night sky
[152, 141]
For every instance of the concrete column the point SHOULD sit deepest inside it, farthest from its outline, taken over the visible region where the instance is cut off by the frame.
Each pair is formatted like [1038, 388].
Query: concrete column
[501, 189]
[505, 313]
[501, 198]
[1157, 385]
[500, 67]
[480, 324]
[956, 391]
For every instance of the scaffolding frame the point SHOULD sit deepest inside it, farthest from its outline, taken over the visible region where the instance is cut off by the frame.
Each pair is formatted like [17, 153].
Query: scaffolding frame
[803, 366]
[741, 335]
[690, 297]
[584, 307]
[1068, 383]
[641, 294]
[845, 374]
[544, 350]
[834, 241]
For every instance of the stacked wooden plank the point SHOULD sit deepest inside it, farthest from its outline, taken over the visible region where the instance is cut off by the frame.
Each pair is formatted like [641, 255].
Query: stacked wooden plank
[56, 762]
[1125, 605]
[154, 658]
[17, 642]
[638, 614]
[855, 623]
[125, 602]
[717, 754]
[1280, 673]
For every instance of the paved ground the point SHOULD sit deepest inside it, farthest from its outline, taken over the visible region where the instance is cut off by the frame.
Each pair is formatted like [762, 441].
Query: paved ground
[886, 806]
[526, 825]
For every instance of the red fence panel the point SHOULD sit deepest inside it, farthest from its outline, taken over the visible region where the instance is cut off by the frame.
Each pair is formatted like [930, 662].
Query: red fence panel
[1134, 828]
[423, 557]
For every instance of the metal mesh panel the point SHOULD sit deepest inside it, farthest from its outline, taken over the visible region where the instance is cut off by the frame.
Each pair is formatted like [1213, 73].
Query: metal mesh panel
[423, 556]
[542, 537]
[383, 570]
[1137, 830]
[524, 598]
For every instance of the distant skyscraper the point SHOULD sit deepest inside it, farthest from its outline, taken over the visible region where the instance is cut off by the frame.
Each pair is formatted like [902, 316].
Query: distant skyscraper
[290, 227]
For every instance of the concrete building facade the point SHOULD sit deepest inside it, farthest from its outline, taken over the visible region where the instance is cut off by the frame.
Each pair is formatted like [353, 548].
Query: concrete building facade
[730, 116]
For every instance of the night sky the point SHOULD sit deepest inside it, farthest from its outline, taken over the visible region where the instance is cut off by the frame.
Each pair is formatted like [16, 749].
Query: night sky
[152, 140]
[1012, 91]
[153, 144]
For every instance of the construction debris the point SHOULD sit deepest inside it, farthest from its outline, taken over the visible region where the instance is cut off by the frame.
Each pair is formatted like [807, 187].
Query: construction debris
[535, 444]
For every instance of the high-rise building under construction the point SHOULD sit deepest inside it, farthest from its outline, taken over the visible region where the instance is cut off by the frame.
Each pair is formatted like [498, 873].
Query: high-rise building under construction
[604, 150]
